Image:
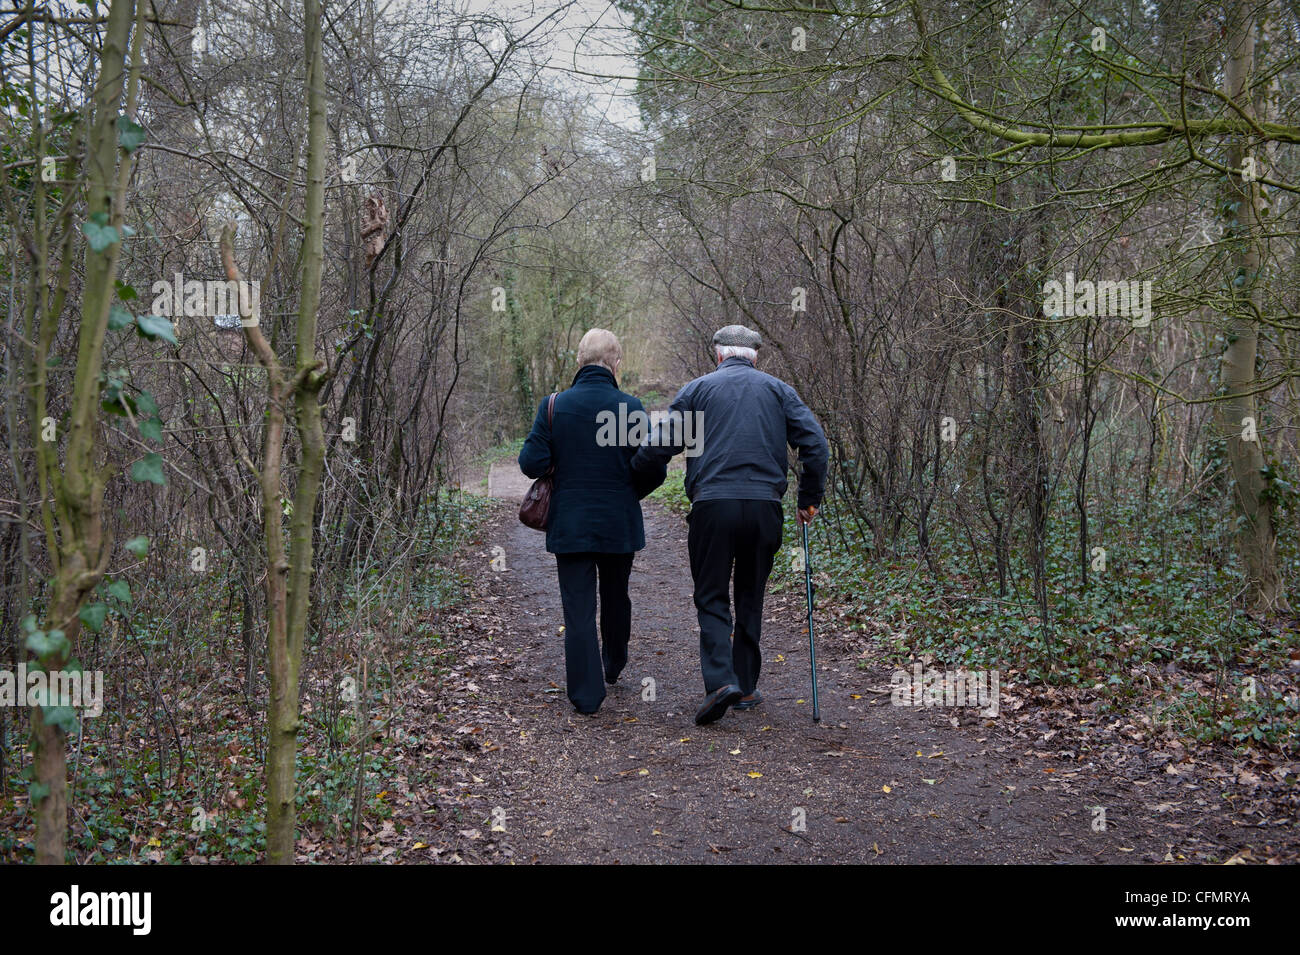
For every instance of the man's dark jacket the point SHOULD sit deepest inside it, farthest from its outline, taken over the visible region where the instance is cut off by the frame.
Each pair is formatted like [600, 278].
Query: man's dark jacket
[595, 506]
[747, 418]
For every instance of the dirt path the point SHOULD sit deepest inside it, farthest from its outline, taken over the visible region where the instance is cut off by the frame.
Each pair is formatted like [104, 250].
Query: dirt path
[506, 482]
[524, 778]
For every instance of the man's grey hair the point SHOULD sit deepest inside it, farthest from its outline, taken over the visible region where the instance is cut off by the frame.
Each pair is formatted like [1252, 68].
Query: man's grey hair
[736, 351]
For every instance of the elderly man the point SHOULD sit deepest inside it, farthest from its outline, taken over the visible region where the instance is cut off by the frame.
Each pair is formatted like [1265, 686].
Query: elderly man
[735, 482]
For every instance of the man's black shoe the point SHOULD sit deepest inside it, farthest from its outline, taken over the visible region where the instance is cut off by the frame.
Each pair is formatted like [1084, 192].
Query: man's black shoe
[716, 703]
[749, 702]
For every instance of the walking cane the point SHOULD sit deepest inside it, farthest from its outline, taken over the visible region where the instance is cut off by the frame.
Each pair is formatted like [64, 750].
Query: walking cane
[812, 649]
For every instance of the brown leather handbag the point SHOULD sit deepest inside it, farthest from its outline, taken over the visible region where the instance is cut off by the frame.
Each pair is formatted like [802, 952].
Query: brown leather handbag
[535, 511]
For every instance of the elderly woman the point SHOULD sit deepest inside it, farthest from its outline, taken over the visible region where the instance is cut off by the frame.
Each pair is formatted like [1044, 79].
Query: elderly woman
[594, 527]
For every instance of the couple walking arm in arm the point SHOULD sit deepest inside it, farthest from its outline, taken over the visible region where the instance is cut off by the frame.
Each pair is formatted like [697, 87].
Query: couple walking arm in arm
[734, 424]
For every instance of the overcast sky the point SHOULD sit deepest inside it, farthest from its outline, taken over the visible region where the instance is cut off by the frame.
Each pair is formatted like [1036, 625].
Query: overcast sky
[592, 48]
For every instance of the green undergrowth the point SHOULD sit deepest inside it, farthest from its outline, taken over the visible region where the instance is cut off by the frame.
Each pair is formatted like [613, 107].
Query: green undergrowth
[172, 771]
[1159, 627]
[672, 493]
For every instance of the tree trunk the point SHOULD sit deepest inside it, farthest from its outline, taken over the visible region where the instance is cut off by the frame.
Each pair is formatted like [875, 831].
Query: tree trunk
[289, 576]
[84, 546]
[1256, 534]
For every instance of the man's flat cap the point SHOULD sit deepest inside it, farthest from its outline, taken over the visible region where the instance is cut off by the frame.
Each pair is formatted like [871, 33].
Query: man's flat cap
[739, 336]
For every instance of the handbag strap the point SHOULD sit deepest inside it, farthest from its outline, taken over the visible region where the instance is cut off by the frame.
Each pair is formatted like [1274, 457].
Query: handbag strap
[550, 420]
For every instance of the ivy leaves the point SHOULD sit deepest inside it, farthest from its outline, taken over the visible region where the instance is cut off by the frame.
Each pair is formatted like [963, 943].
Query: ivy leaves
[51, 648]
[156, 326]
[93, 615]
[141, 407]
[100, 234]
[130, 135]
[150, 326]
[48, 646]
[97, 229]
[149, 468]
[119, 318]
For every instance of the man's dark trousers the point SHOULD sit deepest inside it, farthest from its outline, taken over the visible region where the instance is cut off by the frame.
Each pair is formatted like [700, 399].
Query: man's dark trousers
[725, 534]
[586, 661]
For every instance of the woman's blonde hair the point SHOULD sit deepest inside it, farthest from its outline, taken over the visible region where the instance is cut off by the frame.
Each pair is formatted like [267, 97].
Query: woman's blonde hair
[600, 347]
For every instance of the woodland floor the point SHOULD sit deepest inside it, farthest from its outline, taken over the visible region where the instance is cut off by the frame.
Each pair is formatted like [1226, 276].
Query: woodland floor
[520, 777]
[489, 763]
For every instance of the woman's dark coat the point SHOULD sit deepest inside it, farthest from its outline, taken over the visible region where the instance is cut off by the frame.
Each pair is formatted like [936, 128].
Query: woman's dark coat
[595, 504]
